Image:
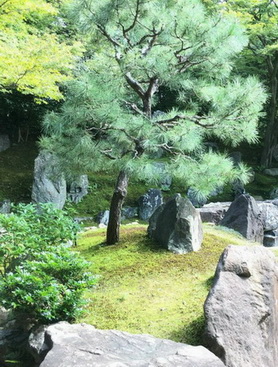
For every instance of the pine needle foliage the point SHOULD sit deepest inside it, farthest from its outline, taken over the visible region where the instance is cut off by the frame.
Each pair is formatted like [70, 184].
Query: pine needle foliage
[110, 117]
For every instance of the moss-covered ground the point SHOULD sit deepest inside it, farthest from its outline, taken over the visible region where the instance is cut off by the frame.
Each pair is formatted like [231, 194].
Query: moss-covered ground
[143, 289]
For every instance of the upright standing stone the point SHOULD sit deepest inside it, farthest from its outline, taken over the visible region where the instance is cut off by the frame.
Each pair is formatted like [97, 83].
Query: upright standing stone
[177, 226]
[148, 203]
[49, 185]
[241, 309]
[244, 216]
[78, 189]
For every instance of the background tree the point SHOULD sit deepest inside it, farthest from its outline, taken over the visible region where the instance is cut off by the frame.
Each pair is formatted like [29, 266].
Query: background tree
[110, 114]
[260, 18]
[35, 57]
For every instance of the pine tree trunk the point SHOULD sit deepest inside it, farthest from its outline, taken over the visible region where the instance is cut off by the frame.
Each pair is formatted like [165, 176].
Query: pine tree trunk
[271, 134]
[120, 192]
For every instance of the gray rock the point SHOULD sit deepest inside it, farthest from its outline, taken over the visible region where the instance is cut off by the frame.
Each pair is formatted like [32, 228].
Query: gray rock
[4, 142]
[103, 217]
[37, 344]
[271, 171]
[214, 212]
[84, 346]
[271, 238]
[49, 185]
[241, 308]
[238, 188]
[148, 203]
[244, 216]
[177, 226]
[274, 193]
[269, 213]
[78, 189]
[129, 212]
[5, 207]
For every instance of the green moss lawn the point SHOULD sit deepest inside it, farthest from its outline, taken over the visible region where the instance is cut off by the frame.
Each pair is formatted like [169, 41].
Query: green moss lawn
[143, 289]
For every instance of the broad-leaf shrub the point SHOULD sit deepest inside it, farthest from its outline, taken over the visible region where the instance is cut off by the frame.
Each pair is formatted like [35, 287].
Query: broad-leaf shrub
[40, 276]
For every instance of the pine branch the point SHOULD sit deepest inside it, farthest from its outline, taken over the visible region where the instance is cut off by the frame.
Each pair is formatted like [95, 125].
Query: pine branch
[174, 120]
[134, 84]
[135, 108]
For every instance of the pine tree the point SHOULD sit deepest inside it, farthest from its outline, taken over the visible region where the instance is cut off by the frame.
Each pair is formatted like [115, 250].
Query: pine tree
[110, 115]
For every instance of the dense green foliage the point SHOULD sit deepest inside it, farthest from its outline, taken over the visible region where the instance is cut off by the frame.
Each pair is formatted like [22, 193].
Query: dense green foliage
[40, 276]
[110, 116]
[33, 58]
[260, 17]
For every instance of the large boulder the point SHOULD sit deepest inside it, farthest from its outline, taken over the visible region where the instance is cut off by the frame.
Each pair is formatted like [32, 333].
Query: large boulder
[83, 346]
[244, 216]
[241, 309]
[148, 203]
[177, 226]
[214, 212]
[78, 189]
[49, 185]
[269, 215]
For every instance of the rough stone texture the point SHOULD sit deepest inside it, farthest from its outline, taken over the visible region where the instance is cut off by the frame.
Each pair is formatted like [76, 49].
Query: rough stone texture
[4, 142]
[242, 310]
[269, 215]
[78, 189]
[148, 203]
[49, 186]
[244, 216]
[5, 206]
[177, 226]
[271, 171]
[274, 193]
[129, 212]
[213, 212]
[271, 238]
[103, 217]
[84, 346]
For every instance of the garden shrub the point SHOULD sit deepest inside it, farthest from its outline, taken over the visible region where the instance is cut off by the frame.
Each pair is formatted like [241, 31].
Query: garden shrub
[40, 276]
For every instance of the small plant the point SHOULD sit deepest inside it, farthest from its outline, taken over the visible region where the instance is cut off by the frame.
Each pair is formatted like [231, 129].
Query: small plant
[40, 276]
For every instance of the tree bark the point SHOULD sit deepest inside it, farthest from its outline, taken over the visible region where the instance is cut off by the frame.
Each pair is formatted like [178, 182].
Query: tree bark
[120, 192]
[271, 134]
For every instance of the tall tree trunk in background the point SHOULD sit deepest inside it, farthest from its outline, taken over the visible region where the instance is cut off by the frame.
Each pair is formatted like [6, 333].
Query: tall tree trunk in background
[271, 134]
[120, 192]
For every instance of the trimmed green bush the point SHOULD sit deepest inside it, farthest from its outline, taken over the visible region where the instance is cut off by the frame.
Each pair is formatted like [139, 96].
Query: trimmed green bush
[40, 276]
